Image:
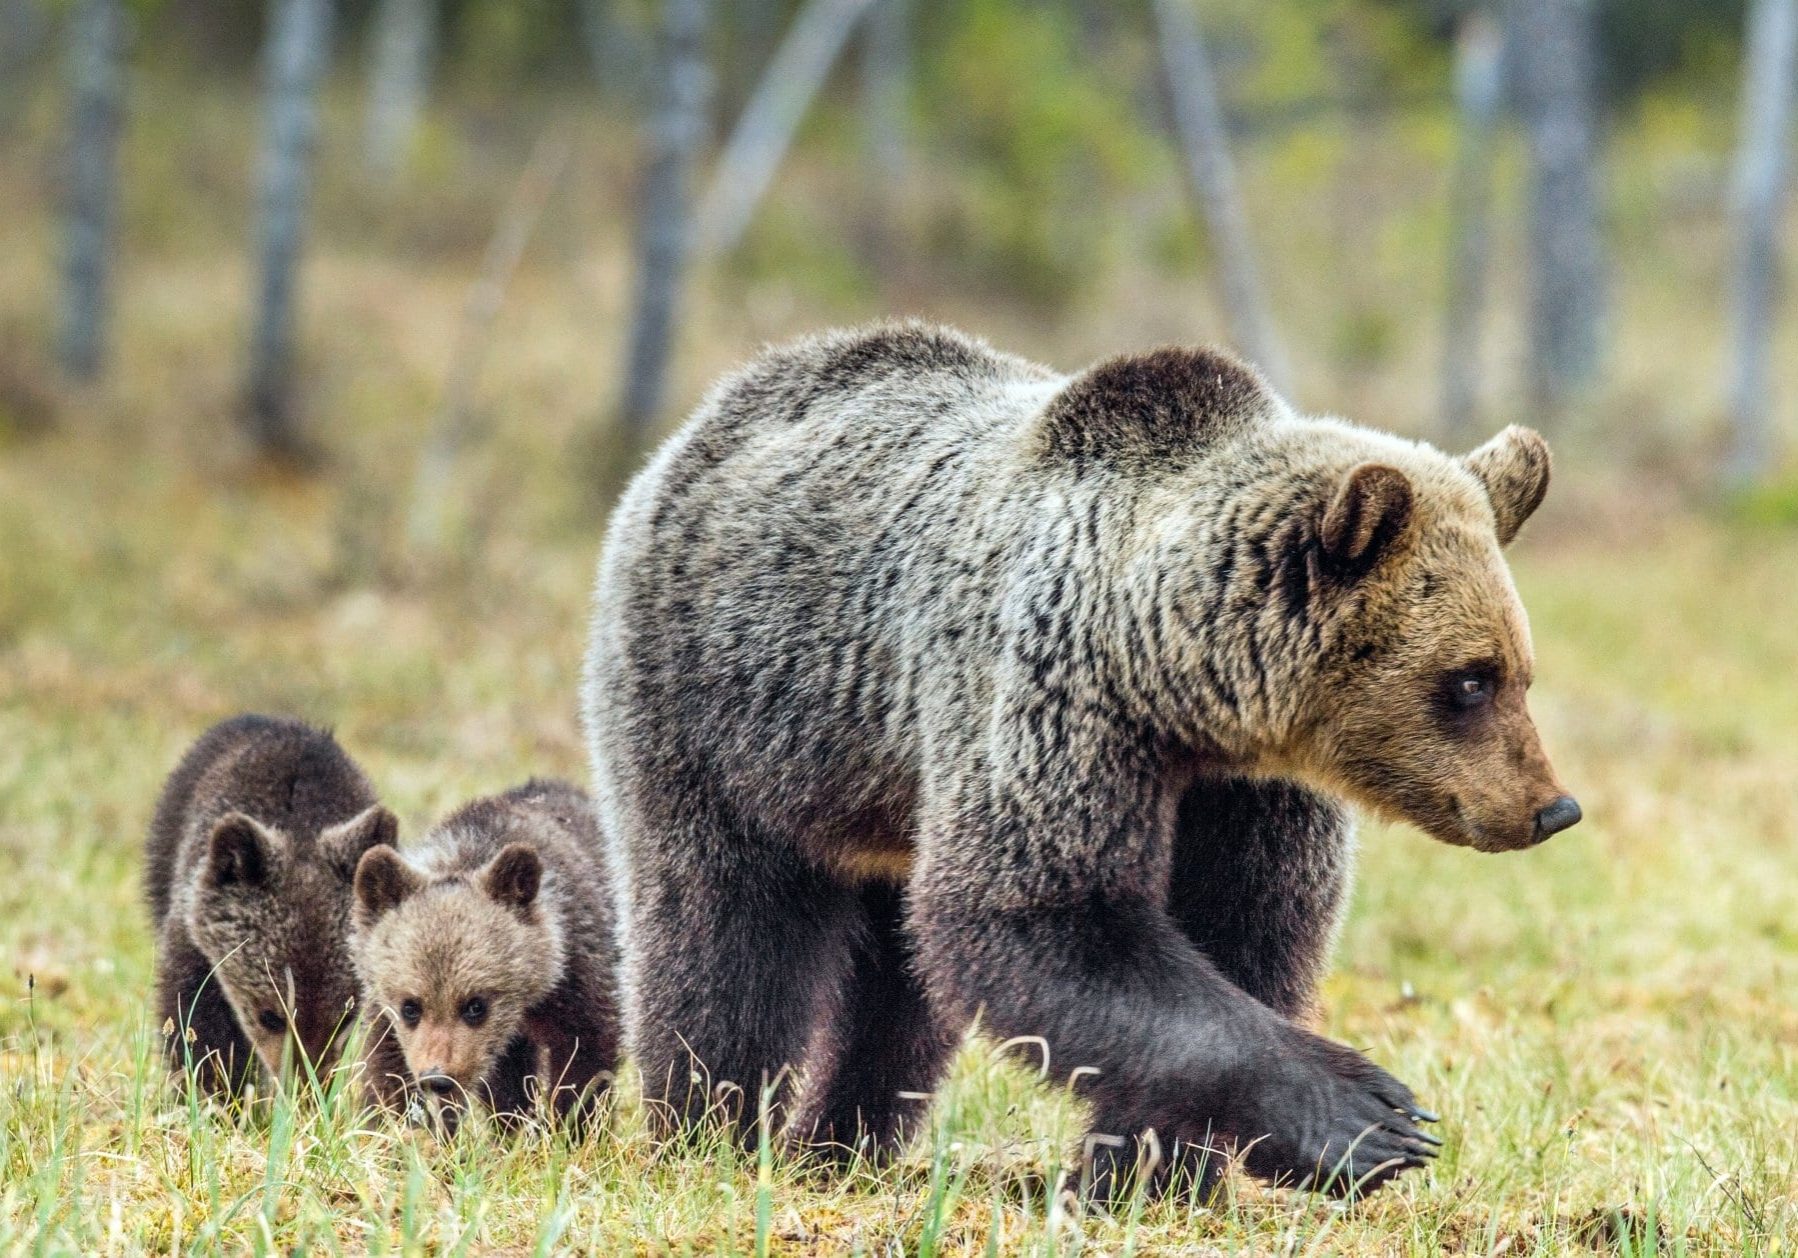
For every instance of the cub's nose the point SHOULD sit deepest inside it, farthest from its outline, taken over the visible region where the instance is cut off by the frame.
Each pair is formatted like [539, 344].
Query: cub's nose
[1557, 817]
[438, 1082]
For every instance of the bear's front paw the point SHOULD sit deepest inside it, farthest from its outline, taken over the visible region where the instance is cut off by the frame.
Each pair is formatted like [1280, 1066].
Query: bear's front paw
[1334, 1122]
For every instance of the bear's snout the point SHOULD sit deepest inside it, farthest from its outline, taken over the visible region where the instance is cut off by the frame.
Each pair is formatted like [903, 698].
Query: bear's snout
[1558, 816]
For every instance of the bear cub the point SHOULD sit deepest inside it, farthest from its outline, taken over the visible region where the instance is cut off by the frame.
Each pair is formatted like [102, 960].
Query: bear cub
[486, 959]
[249, 864]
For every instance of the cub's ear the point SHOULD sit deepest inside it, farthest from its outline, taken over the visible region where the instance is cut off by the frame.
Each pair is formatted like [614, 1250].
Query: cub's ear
[1368, 517]
[1166, 404]
[514, 875]
[383, 881]
[344, 843]
[1514, 467]
[240, 852]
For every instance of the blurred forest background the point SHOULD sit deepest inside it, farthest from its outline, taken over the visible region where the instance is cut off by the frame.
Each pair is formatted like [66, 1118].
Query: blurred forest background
[329, 327]
[1426, 214]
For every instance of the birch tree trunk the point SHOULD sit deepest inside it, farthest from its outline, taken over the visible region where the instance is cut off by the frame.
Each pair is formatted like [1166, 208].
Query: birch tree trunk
[1762, 160]
[1205, 145]
[298, 42]
[96, 83]
[886, 73]
[399, 69]
[1551, 42]
[765, 132]
[677, 128]
[1479, 91]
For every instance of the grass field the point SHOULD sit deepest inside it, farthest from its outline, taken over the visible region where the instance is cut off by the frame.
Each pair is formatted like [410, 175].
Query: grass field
[1607, 1025]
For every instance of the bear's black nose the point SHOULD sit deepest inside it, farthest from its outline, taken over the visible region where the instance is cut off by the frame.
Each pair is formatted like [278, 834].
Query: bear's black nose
[1557, 817]
[438, 1082]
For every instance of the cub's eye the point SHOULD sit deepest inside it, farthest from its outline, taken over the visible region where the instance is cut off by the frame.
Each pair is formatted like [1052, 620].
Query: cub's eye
[410, 1012]
[474, 1011]
[272, 1022]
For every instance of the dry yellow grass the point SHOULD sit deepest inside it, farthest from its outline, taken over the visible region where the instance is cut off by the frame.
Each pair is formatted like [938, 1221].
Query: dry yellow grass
[1607, 1024]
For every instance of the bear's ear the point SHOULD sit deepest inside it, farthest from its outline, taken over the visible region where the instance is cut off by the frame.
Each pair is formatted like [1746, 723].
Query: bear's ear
[514, 875]
[383, 881]
[344, 843]
[239, 852]
[1165, 404]
[1368, 516]
[1514, 467]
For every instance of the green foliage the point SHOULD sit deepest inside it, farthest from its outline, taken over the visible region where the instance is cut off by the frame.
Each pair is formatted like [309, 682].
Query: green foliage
[1042, 141]
[1774, 505]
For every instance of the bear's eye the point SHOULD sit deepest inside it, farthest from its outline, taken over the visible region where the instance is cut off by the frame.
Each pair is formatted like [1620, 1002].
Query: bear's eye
[474, 1011]
[1471, 689]
[272, 1022]
[410, 1012]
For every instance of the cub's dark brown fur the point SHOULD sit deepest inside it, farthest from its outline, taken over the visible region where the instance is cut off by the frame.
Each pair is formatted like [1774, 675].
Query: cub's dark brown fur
[486, 958]
[249, 862]
[926, 683]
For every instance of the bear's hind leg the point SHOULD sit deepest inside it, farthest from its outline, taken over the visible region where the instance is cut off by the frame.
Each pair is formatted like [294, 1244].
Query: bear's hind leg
[872, 1066]
[734, 948]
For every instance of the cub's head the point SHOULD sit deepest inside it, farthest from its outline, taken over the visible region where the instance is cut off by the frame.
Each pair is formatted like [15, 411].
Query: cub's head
[1419, 710]
[272, 911]
[454, 963]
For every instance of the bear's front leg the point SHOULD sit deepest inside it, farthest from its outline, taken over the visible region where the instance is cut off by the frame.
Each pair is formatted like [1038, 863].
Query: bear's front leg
[1038, 906]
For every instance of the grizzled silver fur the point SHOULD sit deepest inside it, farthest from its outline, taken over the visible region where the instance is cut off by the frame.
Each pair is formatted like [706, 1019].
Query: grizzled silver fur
[926, 683]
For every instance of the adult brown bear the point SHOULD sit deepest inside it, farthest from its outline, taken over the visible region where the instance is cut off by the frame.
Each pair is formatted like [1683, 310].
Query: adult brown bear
[927, 683]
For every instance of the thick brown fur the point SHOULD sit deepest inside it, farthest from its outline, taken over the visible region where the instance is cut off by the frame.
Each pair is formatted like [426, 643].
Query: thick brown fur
[487, 961]
[926, 684]
[248, 868]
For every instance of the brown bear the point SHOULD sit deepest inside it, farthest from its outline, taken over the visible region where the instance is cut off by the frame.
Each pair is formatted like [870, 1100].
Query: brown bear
[486, 959]
[248, 866]
[925, 684]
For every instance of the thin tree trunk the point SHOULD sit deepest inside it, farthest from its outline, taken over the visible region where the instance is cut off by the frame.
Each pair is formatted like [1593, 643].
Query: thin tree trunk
[1204, 142]
[1479, 91]
[96, 74]
[454, 427]
[1762, 160]
[1551, 43]
[298, 44]
[886, 72]
[399, 70]
[765, 132]
[677, 128]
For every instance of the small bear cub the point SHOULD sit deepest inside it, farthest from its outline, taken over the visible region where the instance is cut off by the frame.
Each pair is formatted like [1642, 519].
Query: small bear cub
[249, 865]
[486, 959]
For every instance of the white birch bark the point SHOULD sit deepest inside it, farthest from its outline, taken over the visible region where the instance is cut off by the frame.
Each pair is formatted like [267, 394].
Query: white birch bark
[96, 87]
[1763, 158]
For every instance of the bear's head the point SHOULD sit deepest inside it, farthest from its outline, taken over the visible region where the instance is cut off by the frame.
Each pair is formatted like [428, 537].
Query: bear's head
[271, 911]
[1417, 706]
[1332, 601]
[454, 961]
